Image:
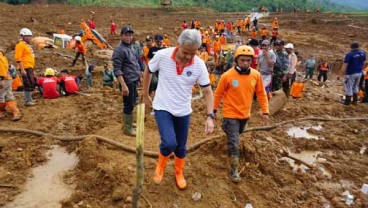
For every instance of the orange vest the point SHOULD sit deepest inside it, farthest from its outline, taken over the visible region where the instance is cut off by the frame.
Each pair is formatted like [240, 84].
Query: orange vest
[24, 54]
[297, 89]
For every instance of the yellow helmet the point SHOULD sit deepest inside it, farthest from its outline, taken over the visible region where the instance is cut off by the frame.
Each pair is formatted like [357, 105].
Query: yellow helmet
[49, 72]
[244, 51]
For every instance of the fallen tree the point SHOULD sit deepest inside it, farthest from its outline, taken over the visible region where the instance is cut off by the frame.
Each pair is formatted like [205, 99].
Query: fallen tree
[155, 154]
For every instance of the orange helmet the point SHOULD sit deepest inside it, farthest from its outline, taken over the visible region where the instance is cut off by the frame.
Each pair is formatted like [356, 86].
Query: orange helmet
[244, 51]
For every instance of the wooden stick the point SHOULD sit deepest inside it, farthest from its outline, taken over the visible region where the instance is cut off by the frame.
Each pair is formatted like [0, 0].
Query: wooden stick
[233, 197]
[150, 205]
[139, 155]
[7, 186]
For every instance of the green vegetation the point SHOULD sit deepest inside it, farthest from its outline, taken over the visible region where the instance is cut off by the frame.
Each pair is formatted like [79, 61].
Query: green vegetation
[218, 5]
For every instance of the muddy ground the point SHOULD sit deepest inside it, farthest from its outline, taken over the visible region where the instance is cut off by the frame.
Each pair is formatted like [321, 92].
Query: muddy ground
[105, 175]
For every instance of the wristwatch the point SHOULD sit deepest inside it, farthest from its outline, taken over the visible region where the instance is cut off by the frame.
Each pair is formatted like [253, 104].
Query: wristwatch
[211, 115]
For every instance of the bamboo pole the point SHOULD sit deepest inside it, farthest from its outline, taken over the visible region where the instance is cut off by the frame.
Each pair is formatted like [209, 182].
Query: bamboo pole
[139, 155]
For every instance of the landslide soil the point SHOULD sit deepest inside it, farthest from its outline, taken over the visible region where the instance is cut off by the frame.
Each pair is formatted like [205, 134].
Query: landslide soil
[105, 175]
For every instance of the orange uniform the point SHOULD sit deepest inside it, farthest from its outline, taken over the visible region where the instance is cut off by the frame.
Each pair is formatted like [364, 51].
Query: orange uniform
[216, 46]
[297, 89]
[238, 91]
[166, 42]
[81, 48]
[222, 40]
[264, 32]
[24, 54]
[212, 79]
[366, 71]
[253, 34]
[4, 68]
[323, 66]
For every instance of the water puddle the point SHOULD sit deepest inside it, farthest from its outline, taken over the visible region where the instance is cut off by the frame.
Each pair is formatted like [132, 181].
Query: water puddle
[309, 157]
[46, 188]
[302, 132]
[363, 149]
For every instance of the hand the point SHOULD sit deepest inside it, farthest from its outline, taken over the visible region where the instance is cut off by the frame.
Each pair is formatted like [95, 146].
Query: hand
[209, 126]
[23, 72]
[147, 100]
[284, 78]
[265, 119]
[125, 90]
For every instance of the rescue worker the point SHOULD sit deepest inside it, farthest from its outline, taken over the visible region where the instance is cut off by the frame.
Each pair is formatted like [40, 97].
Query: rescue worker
[108, 78]
[179, 69]
[275, 23]
[323, 70]
[128, 72]
[275, 33]
[69, 84]
[291, 75]
[146, 48]
[352, 71]
[297, 88]
[255, 45]
[112, 28]
[266, 61]
[280, 69]
[237, 87]
[264, 33]
[310, 64]
[203, 54]
[81, 50]
[216, 48]
[7, 99]
[365, 73]
[25, 58]
[49, 84]
[166, 41]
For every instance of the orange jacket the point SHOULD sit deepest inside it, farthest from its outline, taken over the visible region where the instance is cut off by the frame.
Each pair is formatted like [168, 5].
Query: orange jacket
[4, 67]
[212, 78]
[275, 23]
[216, 46]
[17, 82]
[222, 40]
[366, 71]
[166, 42]
[80, 48]
[24, 54]
[297, 89]
[264, 32]
[323, 66]
[253, 34]
[238, 91]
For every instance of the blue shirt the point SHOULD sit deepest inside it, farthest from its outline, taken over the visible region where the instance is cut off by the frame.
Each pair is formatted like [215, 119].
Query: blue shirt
[355, 60]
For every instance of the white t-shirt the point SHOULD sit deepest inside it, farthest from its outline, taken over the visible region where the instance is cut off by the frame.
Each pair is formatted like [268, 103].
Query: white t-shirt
[174, 92]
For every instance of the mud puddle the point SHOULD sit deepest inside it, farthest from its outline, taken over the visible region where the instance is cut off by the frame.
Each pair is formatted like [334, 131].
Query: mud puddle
[309, 157]
[46, 188]
[302, 132]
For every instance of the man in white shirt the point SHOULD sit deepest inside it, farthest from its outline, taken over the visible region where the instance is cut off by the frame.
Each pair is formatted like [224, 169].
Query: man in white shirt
[179, 69]
[293, 60]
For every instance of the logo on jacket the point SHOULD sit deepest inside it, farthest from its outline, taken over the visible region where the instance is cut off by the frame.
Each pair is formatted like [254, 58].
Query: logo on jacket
[235, 83]
[189, 73]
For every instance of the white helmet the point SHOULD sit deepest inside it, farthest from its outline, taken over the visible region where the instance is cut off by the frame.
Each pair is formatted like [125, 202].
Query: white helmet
[289, 45]
[77, 38]
[25, 31]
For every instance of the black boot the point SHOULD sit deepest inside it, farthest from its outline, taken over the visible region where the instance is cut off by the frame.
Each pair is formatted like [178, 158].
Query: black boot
[347, 100]
[355, 99]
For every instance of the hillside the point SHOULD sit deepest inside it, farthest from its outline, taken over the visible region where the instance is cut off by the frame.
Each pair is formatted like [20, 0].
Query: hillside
[356, 4]
[218, 5]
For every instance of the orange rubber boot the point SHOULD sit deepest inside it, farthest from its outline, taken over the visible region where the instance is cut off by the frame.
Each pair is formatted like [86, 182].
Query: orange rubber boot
[160, 168]
[12, 105]
[179, 165]
[2, 110]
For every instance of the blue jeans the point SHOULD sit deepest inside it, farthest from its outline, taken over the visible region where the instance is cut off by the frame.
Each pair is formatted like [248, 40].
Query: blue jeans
[174, 133]
[129, 101]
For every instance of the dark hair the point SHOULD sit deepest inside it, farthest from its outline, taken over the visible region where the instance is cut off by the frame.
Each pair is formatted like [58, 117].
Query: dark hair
[354, 45]
[65, 71]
